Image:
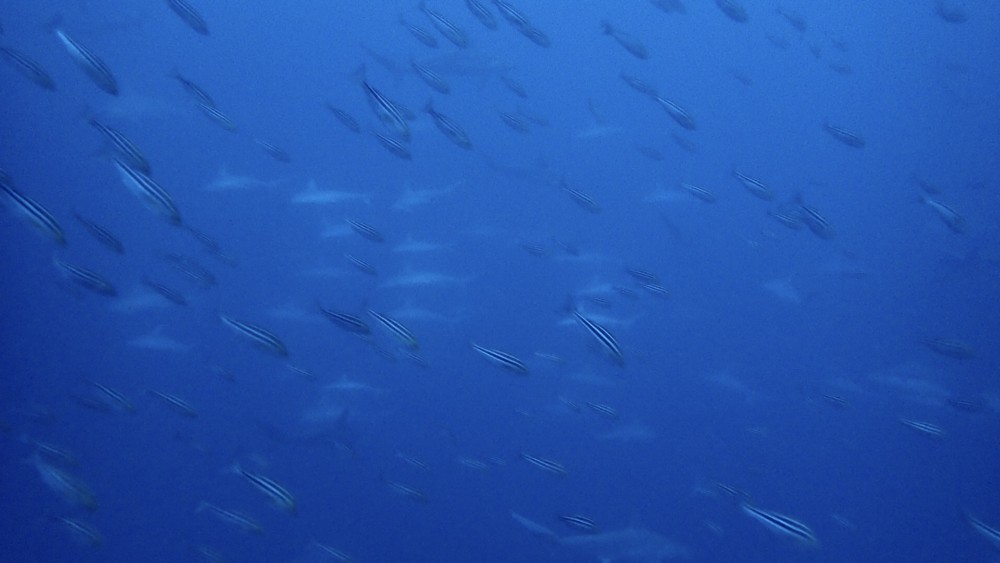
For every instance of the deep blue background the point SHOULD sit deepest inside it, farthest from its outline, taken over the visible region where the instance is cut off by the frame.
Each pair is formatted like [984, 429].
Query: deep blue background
[723, 381]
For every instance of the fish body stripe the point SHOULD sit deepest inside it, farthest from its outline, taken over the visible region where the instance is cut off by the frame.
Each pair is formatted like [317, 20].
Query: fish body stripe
[264, 337]
[502, 359]
[781, 524]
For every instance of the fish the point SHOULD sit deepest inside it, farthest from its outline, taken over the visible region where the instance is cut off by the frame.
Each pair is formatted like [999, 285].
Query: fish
[365, 230]
[217, 117]
[951, 347]
[519, 22]
[733, 10]
[88, 279]
[450, 31]
[116, 397]
[950, 12]
[344, 118]
[176, 403]
[991, 533]
[65, 484]
[846, 137]
[927, 428]
[82, 532]
[794, 19]
[189, 15]
[123, 147]
[814, 220]
[274, 151]
[362, 265]
[583, 200]
[552, 467]
[151, 193]
[232, 517]
[515, 122]
[514, 86]
[755, 186]
[334, 553]
[640, 85]
[448, 126]
[580, 522]
[670, 6]
[407, 491]
[261, 337]
[603, 410]
[28, 68]
[393, 146]
[631, 44]
[346, 321]
[387, 112]
[195, 91]
[33, 212]
[91, 64]
[420, 34]
[949, 216]
[168, 293]
[682, 116]
[604, 338]
[502, 359]
[399, 331]
[279, 495]
[484, 16]
[699, 192]
[781, 524]
[191, 268]
[431, 78]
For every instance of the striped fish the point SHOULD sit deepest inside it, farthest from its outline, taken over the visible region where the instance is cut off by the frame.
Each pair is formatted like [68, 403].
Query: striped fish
[982, 528]
[450, 31]
[699, 192]
[272, 490]
[82, 532]
[195, 91]
[927, 428]
[948, 215]
[814, 220]
[553, 467]
[346, 321]
[151, 193]
[640, 85]
[219, 118]
[755, 186]
[102, 235]
[365, 230]
[502, 359]
[580, 522]
[781, 524]
[275, 152]
[407, 491]
[580, 198]
[849, 138]
[263, 338]
[360, 264]
[115, 396]
[603, 410]
[126, 149]
[421, 34]
[484, 16]
[189, 15]
[88, 279]
[680, 115]
[515, 122]
[642, 276]
[603, 337]
[402, 333]
[34, 213]
[66, 485]
[514, 86]
[519, 22]
[334, 553]
[344, 118]
[431, 78]
[91, 64]
[448, 126]
[657, 289]
[168, 293]
[232, 517]
[176, 403]
[28, 68]
[386, 111]
[393, 146]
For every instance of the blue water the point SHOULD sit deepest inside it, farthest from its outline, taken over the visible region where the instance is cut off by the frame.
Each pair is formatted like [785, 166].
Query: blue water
[781, 364]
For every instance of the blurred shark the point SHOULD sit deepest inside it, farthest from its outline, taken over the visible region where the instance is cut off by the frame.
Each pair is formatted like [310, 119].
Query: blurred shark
[410, 198]
[313, 195]
[626, 544]
[156, 340]
[224, 181]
